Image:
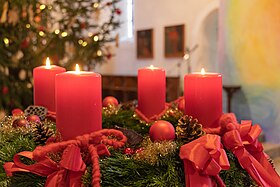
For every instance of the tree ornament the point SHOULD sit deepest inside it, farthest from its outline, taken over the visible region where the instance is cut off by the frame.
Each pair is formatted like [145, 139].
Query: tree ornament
[33, 118]
[128, 151]
[181, 105]
[110, 100]
[162, 130]
[5, 90]
[39, 111]
[42, 133]
[17, 112]
[25, 43]
[37, 19]
[188, 129]
[118, 11]
[20, 123]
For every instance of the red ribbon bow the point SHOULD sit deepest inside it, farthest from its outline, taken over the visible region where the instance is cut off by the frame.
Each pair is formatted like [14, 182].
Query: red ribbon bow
[204, 158]
[152, 118]
[242, 140]
[69, 170]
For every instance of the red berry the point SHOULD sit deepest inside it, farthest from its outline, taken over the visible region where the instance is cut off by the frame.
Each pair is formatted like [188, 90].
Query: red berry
[128, 151]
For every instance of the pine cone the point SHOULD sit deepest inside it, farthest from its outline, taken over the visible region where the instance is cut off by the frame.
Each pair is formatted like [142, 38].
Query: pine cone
[188, 129]
[41, 133]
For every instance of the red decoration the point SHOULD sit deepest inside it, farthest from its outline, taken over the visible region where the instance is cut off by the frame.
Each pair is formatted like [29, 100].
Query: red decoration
[139, 150]
[153, 118]
[181, 104]
[41, 28]
[128, 151]
[83, 25]
[204, 158]
[242, 140]
[118, 11]
[37, 19]
[33, 118]
[162, 130]
[110, 100]
[69, 170]
[5, 90]
[109, 56]
[17, 112]
[25, 43]
[20, 123]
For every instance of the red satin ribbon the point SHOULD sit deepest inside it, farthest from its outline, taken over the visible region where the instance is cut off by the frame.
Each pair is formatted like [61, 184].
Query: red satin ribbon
[242, 140]
[154, 117]
[69, 170]
[204, 158]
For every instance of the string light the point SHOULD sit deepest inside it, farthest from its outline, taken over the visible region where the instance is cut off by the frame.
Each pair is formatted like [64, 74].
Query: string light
[99, 53]
[90, 34]
[42, 7]
[41, 33]
[84, 44]
[6, 41]
[57, 31]
[80, 42]
[64, 34]
[27, 25]
[95, 5]
[95, 38]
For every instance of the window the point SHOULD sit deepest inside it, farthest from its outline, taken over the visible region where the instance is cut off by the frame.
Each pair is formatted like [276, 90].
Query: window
[127, 20]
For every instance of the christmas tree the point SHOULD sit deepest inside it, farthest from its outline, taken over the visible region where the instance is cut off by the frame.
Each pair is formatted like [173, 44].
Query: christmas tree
[67, 31]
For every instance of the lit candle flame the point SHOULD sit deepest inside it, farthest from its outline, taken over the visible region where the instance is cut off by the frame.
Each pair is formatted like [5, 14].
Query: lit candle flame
[152, 67]
[48, 63]
[77, 68]
[202, 71]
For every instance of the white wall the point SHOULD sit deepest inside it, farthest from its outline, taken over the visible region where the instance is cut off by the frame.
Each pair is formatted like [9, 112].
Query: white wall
[158, 14]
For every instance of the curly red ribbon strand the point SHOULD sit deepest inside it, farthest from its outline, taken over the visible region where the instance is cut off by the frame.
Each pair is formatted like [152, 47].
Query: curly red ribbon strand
[69, 170]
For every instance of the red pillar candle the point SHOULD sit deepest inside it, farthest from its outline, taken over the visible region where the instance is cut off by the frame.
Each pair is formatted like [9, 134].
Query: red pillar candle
[78, 103]
[151, 90]
[203, 97]
[44, 85]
